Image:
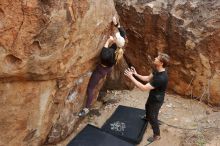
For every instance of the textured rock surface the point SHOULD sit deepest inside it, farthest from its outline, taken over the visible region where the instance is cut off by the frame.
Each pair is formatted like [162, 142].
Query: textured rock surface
[189, 31]
[48, 49]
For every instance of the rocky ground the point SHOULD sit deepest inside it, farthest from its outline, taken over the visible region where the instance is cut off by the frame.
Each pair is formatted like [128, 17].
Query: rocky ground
[185, 122]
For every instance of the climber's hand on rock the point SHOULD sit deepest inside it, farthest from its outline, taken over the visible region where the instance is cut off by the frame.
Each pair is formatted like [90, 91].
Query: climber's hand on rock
[111, 39]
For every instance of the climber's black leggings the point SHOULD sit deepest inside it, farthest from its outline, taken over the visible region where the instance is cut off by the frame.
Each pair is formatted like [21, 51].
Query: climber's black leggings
[99, 73]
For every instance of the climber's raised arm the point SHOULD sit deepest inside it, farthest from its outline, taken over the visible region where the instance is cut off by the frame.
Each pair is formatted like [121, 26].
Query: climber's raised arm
[110, 39]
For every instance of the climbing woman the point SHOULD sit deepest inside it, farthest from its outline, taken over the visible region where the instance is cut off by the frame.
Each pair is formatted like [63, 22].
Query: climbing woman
[111, 53]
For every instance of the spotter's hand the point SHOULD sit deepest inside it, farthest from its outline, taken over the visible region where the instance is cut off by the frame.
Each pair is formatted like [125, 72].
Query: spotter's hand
[133, 70]
[128, 72]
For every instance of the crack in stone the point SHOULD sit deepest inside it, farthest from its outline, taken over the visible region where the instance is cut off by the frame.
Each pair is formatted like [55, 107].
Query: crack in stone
[22, 8]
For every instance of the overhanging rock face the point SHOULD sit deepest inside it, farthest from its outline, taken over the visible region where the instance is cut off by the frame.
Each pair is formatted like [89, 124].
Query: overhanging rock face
[189, 31]
[48, 49]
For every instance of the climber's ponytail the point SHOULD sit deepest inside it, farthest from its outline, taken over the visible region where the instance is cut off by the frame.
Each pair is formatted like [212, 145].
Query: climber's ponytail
[118, 54]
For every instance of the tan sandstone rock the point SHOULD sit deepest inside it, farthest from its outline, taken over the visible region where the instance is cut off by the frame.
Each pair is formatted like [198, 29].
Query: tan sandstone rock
[189, 31]
[48, 49]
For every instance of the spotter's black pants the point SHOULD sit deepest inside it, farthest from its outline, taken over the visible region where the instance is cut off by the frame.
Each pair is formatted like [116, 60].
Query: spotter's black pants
[152, 111]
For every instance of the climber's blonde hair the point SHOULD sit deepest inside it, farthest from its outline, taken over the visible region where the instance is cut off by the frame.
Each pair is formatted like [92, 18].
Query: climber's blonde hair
[119, 54]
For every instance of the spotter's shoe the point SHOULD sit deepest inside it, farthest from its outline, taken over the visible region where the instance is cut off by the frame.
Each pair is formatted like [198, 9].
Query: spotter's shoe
[154, 138]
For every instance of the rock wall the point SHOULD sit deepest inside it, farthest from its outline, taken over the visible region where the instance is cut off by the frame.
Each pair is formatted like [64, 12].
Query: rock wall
[189, 31]
[48, 49]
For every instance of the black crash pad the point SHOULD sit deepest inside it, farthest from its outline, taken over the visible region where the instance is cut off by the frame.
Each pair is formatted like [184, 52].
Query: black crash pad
[93, 136]
[126, 124]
